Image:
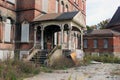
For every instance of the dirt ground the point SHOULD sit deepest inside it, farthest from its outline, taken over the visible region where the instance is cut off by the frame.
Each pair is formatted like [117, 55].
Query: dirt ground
[90, 72]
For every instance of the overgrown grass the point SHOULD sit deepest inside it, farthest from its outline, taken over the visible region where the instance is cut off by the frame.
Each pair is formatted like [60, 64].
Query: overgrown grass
[102, 58]
[16, 70]
[46, 69]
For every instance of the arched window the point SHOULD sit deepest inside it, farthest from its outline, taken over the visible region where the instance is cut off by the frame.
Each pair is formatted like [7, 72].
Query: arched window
[7, 34]
[62, 6]
[25, 32]
[66, 8]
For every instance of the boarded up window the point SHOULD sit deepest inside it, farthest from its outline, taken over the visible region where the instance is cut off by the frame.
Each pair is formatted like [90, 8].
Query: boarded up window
[25, 32]
[57, 6]
[7, 30]
[45, 5]
[0, 31]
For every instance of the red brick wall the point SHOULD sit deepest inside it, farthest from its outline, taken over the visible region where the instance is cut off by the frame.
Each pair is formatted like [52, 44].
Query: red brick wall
[51, 6]
[34, 8]
[100, 48]
[116, 43]
[7, 10]
[7, 5]
[25, 4]
[24, 16]
[81, 5]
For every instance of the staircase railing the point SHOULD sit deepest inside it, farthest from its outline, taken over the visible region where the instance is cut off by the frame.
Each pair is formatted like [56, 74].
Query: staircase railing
[33, 52]
[52, 51]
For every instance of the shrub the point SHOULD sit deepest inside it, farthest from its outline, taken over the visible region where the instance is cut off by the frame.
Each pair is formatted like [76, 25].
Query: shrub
[14, 70]
[102, 58]
[46, 69]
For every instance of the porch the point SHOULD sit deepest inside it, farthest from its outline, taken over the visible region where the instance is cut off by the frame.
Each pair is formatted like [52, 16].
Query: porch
[58, 31]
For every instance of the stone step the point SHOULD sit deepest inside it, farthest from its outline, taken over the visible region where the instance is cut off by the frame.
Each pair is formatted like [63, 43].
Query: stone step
[40, 57]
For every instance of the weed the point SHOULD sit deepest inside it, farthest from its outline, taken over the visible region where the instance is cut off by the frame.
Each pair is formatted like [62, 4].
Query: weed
[101, 58]
[46, 69]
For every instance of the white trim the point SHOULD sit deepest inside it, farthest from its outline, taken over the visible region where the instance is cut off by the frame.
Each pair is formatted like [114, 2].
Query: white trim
[6, 54]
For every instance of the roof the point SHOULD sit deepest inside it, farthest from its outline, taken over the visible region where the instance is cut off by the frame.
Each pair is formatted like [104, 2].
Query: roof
[56, 16]
[102, 32]
[115, 19]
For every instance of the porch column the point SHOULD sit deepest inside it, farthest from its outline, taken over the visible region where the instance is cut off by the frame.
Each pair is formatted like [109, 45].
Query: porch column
[42, 36]
[62, 29]
[70, 30]
[81, 39]
[35, 30]
[76, 40]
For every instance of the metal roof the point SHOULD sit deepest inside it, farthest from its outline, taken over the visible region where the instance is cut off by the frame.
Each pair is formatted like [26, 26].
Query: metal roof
[102, 32]
[115, 19]
[56, 16]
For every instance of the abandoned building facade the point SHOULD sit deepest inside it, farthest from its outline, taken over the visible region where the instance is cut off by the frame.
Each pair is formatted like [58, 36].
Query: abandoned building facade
[105, 41]
[30, 25]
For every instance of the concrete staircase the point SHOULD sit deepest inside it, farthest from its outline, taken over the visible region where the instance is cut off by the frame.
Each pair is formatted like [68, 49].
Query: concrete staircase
[40, 57]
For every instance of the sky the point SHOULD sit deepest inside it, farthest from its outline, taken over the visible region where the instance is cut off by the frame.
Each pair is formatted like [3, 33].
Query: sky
[99, 10]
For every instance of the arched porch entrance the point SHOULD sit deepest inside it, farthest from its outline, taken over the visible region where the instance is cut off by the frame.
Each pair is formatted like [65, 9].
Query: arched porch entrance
[50, 37]
[68, 37]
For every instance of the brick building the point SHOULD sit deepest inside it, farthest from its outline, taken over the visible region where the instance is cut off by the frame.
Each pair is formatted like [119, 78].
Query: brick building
[105, 41]
[29, 25]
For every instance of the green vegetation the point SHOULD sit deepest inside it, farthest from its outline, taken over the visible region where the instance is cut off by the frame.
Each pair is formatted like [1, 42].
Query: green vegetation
[102, 58]
[16, 70]
[45, 69]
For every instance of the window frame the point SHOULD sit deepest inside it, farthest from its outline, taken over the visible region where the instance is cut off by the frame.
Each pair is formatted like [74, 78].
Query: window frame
[105, 44]
[95, 43]
[85, 43]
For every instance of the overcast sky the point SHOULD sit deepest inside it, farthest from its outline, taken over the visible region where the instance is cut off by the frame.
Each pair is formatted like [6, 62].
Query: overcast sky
[98, 10]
